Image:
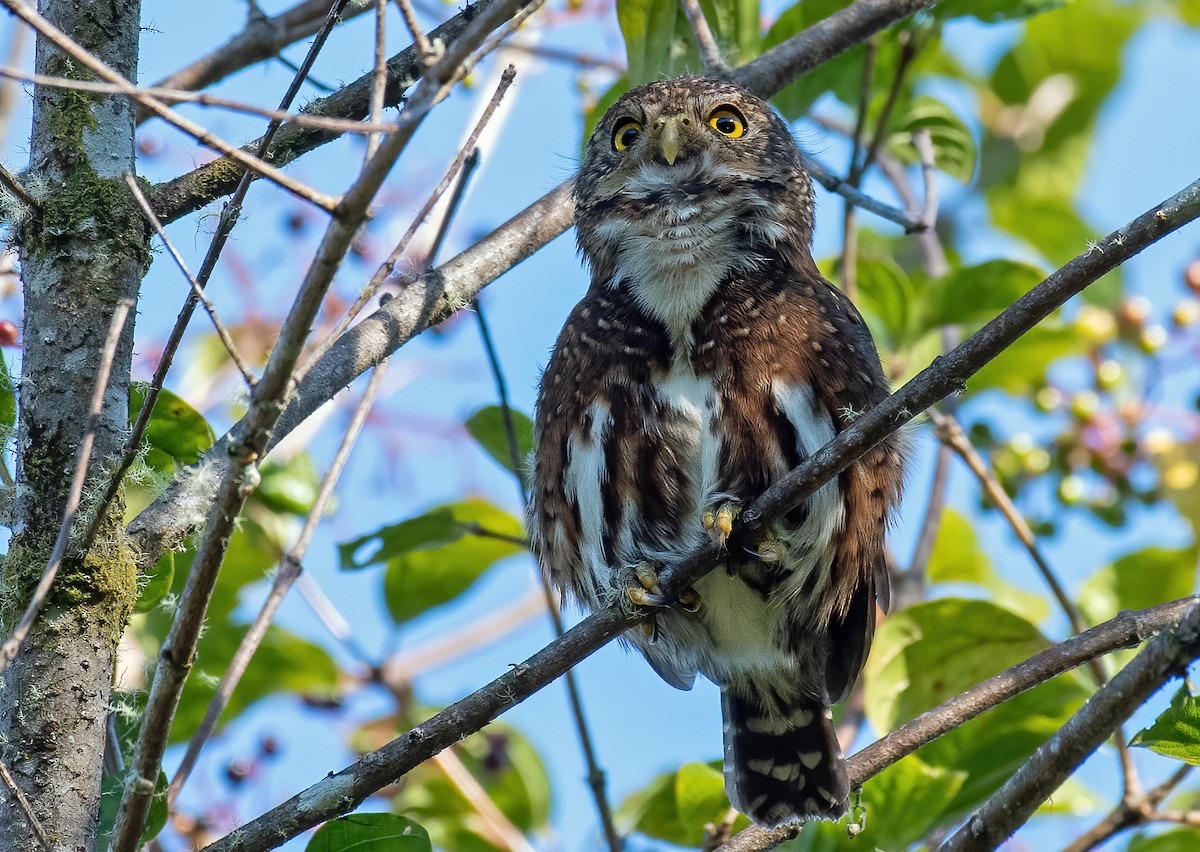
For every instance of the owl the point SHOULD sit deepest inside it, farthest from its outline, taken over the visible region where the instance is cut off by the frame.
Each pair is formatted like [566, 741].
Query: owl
[708, 358]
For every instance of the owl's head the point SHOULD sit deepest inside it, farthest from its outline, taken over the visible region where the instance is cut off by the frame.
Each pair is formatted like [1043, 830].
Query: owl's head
[691, 150]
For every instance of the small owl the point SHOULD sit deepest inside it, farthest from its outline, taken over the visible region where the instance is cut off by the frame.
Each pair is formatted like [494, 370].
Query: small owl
[709, 358]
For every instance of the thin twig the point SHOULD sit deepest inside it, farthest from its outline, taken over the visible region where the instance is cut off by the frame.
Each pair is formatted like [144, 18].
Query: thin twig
[380, 82]
[855, 171]
[858, 198]
[500, 826]
[290, 568]
[1010, 806]
[923, 142]
[385, 269]
[1130, 812]
[83, 455]
[26, 809]
[237, 481]
[10, 182]
[222, 332]
[710, 54]
[225, 225]
[1127, 629]
[425, 51]
[169, 96]
[334, 621]
[88, 60]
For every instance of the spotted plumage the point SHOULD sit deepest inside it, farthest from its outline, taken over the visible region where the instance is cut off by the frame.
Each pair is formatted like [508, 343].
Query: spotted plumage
[708, 358]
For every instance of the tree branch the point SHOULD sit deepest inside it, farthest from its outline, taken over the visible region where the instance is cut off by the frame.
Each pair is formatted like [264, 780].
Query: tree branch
[948, 374]
[1010, 806]
[440, 292]
[1124, 631]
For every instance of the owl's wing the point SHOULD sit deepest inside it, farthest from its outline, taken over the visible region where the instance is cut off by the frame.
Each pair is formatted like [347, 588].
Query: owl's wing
[844, 371]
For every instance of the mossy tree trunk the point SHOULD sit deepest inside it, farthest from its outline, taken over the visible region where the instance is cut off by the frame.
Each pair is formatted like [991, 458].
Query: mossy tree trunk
[84, 250]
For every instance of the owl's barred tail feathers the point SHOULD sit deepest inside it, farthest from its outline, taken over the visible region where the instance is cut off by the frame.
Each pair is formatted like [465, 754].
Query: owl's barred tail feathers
[782, 765]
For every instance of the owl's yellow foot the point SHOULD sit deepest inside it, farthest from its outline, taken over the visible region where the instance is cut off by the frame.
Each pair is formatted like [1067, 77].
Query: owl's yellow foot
[642, 588]
[718, 521]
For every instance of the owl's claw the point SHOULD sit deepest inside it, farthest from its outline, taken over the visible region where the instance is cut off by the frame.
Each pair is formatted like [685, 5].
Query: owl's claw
[642, 589]
[718, 522]
[770, 549]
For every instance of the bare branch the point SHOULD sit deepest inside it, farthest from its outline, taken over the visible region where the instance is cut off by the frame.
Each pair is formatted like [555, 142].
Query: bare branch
[289, 570]
[948, 374]
[83, 452]
[710, 54]
[173, 96]
[26, 809]
[9, 182]
[88, 60]
[1127, 629]
[379, 83]
[1010, 806]
[222, 332]
[425, 51]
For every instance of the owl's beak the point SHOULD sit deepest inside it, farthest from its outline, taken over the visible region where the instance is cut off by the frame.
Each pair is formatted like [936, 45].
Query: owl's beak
[668, 136]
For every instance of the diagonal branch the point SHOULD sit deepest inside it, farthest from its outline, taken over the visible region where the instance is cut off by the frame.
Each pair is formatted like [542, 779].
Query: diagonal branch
[189, 192]
[1008, 808]
[1127, 629]
[439, 293]
[947, 374]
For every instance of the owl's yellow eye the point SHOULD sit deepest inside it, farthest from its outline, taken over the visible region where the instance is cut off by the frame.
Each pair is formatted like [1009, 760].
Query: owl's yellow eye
[626, 134]
[728, 122]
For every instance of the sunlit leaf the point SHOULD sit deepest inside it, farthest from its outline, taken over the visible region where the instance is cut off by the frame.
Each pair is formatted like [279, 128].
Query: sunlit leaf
[1176, 732]
[953, 145]
[1179, 477]
[8, 400]
[972, 295]
[886, 297]
[935, 650]
[111, 789]
[501, 759]
[488, 427]
[1072, 798]
[676, 805]
[658, 42]
[176, 430]
[434, 558]
[995, 10]
[1138, 580]
[289, 487]
[1176, 840]
[958, 558]
[370, 833]
[906, 801]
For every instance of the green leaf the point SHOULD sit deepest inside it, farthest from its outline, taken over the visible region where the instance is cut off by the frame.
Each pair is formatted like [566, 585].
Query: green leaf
[1072, 798]
[290, 487]
[1049, 224]
[434, 558]
[906, 801]
[175, 429]
[153, 585]
[659, 43]
[676, 805]
[885, 297]
[111, 788]
[1175, 840]
[935, 650]
[953, 145]
[1179, 477]
[1175, 733]
[487, 426]
[8, 400]
[1021, 368]
[973, 295]
[503, 761]
[370, 833]
[958, 558]
[435, 529]
[991, 11]
[1139, 580]
[700, 793]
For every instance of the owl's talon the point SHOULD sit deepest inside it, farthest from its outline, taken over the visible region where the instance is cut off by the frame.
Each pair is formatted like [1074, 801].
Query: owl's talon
[689, 600]
[770, 550]
[718, 522]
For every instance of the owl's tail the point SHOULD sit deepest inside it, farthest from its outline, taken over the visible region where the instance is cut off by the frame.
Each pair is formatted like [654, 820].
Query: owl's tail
[782, 760]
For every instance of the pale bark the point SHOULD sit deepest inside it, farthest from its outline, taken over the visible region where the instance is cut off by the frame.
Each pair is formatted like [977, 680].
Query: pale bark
[83, 252]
